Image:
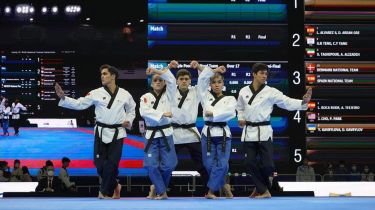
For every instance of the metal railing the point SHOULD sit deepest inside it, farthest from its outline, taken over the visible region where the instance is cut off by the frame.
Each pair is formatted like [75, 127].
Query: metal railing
[193, 185]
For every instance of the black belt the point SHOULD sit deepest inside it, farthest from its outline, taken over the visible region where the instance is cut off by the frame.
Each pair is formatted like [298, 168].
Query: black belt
[154, 129]
[189, 127]
[256, 124]
[99, 139]
[220, 124]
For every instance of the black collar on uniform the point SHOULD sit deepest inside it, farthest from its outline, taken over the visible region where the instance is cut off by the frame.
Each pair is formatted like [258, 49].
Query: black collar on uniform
[113, 95]
[217, 98]
[184, 95]
[158, 97]
[255, 93]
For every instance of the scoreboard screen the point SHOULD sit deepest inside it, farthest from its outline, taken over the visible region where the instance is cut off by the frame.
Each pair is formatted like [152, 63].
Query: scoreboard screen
[30, 76]
[326, 45]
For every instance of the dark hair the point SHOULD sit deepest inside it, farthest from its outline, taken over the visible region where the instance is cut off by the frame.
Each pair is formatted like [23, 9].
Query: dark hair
[306, 158]
[6, 102]
[49, 163]
[342, 162]
[216, 75]
[354, 163]
[112, 70]
[183, 72]
[259, 67]
[25, 170]
[65, 159]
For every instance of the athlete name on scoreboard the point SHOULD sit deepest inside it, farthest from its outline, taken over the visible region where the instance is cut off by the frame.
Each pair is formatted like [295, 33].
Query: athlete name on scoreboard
[339, 32]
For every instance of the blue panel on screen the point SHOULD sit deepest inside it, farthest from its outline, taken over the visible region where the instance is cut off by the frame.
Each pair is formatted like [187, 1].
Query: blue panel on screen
[157, 31]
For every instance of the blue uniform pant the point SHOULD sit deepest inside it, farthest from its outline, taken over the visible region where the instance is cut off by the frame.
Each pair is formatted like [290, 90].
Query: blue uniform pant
[5, 125]
[217, 162]
[160, 163]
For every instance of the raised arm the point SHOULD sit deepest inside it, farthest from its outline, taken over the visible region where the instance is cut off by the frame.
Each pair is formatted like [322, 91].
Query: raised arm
[204, 78]
[290, 104]
[171, 80]
[71, 103]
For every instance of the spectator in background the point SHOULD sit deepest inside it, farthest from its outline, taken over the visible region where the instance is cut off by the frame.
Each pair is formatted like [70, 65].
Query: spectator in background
[26, 177]
[305, 173]
[6, 115]
[17, 172]
[342, 171]
[367, 176]
[51, 183]
[355, 176]
[329, 173]
[64, 176]
[42, 173]
[4, 171]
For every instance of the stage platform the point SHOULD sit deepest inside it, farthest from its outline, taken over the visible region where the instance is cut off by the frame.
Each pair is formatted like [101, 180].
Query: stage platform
[241, 203]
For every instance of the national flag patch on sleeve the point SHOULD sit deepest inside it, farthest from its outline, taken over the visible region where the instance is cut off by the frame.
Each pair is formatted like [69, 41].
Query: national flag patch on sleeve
[145, 100]
[88, 94]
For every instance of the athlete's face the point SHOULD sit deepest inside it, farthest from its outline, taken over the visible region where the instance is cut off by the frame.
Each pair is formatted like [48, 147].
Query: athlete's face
[157, 82]
[184, 81]
[107, 77]
[261, 76]
[217, 84]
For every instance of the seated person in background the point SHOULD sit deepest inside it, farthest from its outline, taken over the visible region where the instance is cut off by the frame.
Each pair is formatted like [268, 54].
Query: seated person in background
[51, 183]
[342, 171]
[329, 173]
[355, 176]
[64, 176]
[367, 176]
[4, 171]
[26, 177]
[42, 173]
[305, 173]
[17, 172]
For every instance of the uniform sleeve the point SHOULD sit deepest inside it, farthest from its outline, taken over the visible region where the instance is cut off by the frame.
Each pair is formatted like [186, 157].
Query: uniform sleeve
[204, 83]
[287, 103]
[64, 178]
[78, 104]
[22, 107]
[148, 113]
[130, 110]
[171, 85]
[226, 113]
[241, 107]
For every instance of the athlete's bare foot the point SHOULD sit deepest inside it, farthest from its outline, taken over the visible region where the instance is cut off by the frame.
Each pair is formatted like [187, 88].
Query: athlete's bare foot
[211, 195]
[266, 194]
[152, 193]
[162, 196]
[101, 196]
[117, 193]
[228, 192]
[255, 193]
